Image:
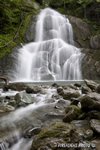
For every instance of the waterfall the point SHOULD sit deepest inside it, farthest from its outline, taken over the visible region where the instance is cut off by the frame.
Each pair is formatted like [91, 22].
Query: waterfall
[53, 55]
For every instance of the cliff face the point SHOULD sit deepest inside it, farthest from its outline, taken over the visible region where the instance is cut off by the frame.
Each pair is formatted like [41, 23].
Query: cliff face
[90, 46]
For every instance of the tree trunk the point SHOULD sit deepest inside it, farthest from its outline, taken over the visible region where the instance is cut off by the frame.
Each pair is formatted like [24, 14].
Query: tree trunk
[5, 79]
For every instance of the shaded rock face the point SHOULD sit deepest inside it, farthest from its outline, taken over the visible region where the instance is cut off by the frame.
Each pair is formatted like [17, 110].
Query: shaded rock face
[81, 31]
[8, 63]
[95, 42]
[91, 65]
[29, 35]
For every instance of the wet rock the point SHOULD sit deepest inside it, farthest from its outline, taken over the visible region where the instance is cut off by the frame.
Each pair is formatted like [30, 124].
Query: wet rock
[21, 104]
[56, 96]
[85, 89]
[34, 89]
[31, 132]
[74, 101]
[29, 90]
[80, 123]
[88, 134]
[24, 97]
[55, 85]
[69, 93]
[78, 84]
[90, 101]
[95, 125]
[6, 108]
[98, 89]
[12, 103]
[91, 84]
[53, 115]
[72, 87]
[72, 114]
[94, 114]
[95, 42]
[53, 135]
[50, 100]
[59, 89]
[61, 101]
[15, 86]
[77, 136]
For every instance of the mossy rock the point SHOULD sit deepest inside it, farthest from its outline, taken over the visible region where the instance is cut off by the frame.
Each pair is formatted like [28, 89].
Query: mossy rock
[59, 131]
[73, 112]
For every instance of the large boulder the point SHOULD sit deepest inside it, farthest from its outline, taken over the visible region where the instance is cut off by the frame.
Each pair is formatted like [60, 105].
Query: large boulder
[6, 108]
[91, 84]
[95, 125]
[95, 42]
[90, 101]
[24, 97]
[68, 93]
[81, 31]
[53, 135]
[15, 87]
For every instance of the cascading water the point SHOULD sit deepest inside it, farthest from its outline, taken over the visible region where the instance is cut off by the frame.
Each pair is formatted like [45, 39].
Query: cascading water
[53, 55]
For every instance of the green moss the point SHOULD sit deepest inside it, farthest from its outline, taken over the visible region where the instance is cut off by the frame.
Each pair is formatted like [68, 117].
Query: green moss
[17, 12]
[57, 129]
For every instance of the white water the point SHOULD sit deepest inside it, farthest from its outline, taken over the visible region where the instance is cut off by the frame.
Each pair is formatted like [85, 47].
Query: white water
[53, 55]
[23, 113]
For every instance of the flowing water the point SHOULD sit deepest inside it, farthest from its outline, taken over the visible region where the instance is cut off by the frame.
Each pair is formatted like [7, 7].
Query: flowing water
[53, 55]
[12, 124]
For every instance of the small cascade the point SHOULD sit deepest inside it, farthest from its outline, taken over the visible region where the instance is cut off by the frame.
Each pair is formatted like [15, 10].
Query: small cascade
[3, 146]
[53, 55]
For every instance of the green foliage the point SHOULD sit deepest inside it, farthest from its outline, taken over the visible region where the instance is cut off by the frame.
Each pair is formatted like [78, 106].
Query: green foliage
[12, 13]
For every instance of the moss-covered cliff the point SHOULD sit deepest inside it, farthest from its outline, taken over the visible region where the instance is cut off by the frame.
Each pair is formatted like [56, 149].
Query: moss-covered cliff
[15, 17]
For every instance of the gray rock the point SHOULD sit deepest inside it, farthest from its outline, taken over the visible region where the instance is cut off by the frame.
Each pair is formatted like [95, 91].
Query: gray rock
[81, 31]
[80, 123]
[31, 132]
[95, 125]
[90, 101]
[53, 115]
[54, 134]
[91, 84]
[12, 103]
[71, 115]
[69, 93]
[24, 97]
[88, 134]
[91, 64]
[94, 114]
[6, 108]
[85, 89]
[95, 42]
[78, 84]
[98, 89]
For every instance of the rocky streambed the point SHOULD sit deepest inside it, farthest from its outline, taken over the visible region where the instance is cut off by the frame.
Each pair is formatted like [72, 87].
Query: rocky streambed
[50, 117]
